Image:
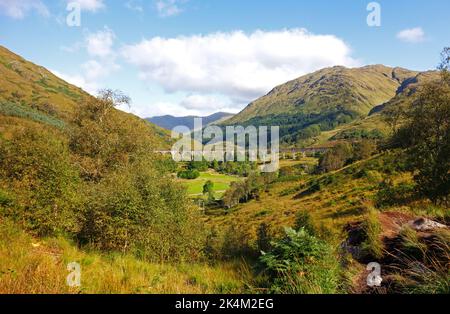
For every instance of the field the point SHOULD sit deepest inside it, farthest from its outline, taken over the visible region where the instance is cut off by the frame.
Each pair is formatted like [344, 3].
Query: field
[221, 183]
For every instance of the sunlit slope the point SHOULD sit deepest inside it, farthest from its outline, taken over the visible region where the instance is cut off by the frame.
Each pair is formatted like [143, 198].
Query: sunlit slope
[324, 100]
[29, 91]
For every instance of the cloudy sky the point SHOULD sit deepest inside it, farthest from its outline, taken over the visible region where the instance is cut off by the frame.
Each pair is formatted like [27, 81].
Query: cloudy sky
[197, 57]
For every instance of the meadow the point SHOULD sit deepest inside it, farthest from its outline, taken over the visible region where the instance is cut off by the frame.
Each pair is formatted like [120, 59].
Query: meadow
[221, 183]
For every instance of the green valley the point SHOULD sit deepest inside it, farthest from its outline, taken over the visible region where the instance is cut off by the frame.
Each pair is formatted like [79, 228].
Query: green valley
[364, 177]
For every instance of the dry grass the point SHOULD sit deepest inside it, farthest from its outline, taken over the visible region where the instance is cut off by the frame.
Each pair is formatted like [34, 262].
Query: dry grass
[30, 266]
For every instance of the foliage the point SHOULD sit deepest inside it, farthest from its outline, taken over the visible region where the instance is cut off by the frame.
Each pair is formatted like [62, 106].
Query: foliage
[301, 263]
[358, 134]
[303, 220]
[22, 111]
[99, 183]
[426, 135]
[363, 149]
[141, 211]
[208, 189]
[250, 188]
[36, 165]
[241, 168]
[188, 174]
[336, 157]
[390, 195]
[264, 237]
[103, 140]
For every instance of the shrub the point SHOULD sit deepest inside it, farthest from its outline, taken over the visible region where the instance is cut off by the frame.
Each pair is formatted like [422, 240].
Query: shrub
[188, 174]
[139, 210]
[264, 237]
[301, 263]
[303, 220]
[336, 157]
[389, 194]
[36, 165]
[237, 242]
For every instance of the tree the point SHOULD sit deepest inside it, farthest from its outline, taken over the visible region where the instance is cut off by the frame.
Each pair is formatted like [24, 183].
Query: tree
[208, 189]
[426, 135]
[363, 149]
[103, 139]
[35, 163]
[336, 157]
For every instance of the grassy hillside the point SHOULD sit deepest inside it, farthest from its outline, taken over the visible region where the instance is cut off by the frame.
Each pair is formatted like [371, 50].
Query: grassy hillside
[38, 265]
[323, 100]
[31, 92]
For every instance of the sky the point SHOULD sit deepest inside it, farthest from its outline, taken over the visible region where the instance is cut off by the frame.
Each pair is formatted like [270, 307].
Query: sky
[197, 57]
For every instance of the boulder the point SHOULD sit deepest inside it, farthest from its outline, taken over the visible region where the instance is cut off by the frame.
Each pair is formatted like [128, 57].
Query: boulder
[425, 224]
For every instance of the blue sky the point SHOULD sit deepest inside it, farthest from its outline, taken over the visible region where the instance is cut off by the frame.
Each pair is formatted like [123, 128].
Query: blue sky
[200, 56]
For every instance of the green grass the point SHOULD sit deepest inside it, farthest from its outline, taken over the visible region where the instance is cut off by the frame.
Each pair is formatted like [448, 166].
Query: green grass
[22, 111]
[221, 183]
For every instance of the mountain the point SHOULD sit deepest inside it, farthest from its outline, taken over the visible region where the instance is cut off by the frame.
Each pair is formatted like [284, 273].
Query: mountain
[323, 100]
[169, 122]
[32, 93]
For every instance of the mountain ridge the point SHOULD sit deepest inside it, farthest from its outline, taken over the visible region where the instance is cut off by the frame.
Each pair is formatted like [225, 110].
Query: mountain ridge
[169, 122]
[322, 100]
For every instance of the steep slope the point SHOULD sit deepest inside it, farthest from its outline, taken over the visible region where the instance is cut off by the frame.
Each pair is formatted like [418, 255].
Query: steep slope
[31, 92]
[405, 93]
[379, 122]
[324, 99]
[168, 122]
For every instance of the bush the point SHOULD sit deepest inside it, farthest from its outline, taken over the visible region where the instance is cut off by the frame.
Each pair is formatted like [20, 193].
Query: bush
[236, 242]
[303, 220]
[390, 194]
[36, 165]
[139, 210]
[264, 237]
[188, 174]
[301, 263]
[336, 158]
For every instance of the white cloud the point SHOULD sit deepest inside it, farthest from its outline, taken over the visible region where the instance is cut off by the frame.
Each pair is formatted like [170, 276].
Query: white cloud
[168, 8]
[90, 5]
[134, 5]
[412, 35]
[78, 80]
[18, 9]
[90, 77]
[96, 70]
[100, 44]
[238, 66]
[102, 62]
[202, 102]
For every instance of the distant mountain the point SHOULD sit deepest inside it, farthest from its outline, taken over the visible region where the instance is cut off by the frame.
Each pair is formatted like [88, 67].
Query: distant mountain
[169, 122]
[323, 100]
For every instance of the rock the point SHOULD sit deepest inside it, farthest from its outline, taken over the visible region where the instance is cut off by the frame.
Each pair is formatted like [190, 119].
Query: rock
[425, 224]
